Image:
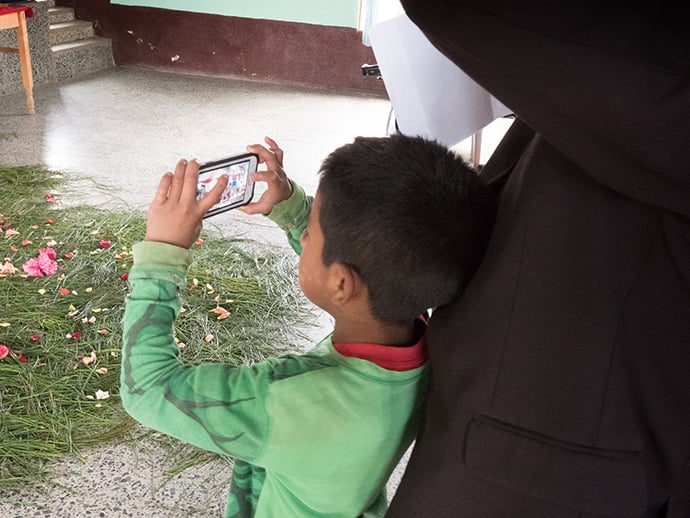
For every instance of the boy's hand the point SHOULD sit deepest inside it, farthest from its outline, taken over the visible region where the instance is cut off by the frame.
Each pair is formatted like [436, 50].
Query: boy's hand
[175, 215]
[279, 187]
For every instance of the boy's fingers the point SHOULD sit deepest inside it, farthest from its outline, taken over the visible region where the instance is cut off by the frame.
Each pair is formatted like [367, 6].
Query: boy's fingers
[262, 176]
[255, 207]
[191, 178]
[266, 156]
[163, 188]
[275, 148]
[177, 184]
[214, 195]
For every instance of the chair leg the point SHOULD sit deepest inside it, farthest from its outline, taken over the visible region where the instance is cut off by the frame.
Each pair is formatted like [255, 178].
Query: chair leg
[25, 62]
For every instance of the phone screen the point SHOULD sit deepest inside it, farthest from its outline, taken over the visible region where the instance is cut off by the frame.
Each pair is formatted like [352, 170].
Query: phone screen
[239, 190]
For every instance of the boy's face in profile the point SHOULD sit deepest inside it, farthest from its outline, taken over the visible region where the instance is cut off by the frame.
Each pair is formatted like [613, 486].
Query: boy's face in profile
[313, 273]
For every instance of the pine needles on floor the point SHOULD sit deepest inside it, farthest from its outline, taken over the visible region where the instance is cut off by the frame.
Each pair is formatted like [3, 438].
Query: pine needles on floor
[63, 280]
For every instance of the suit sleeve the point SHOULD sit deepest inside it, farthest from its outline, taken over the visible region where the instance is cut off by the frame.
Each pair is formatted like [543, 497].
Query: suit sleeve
[606, 86]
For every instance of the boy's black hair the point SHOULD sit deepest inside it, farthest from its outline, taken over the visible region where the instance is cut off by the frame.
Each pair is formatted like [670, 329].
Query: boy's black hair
[412, 218]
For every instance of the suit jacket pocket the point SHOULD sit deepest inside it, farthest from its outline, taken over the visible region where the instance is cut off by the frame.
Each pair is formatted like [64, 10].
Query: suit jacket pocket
[580, 478]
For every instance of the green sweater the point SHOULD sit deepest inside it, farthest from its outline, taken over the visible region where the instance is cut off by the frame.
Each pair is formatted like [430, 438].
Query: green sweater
[316, 434]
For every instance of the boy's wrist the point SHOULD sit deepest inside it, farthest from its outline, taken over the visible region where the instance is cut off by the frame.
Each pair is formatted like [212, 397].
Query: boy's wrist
[286, 209]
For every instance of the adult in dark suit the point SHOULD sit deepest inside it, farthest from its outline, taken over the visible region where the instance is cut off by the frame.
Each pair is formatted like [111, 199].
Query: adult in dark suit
[561, 379]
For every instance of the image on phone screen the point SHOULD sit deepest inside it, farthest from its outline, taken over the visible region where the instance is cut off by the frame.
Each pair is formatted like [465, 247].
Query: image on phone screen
[240, 188]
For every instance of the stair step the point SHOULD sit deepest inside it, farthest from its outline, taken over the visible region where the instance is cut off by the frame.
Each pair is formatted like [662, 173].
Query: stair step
[69, 31]
[77, 58]
[60, 14]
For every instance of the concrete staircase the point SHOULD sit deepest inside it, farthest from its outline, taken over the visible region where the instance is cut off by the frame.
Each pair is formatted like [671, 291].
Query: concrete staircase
[61, 48]
[75, 49]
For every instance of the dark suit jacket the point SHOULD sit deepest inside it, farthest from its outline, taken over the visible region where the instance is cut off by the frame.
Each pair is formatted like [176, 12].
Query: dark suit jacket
[560, 380]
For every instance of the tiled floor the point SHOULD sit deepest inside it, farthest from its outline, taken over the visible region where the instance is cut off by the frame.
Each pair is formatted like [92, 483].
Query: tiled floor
[123, 128]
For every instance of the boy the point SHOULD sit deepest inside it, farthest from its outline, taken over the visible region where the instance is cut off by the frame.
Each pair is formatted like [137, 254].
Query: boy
[397, 227]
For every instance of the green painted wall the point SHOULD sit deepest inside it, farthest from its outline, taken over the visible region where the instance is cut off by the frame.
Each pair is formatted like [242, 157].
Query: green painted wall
[340, 13]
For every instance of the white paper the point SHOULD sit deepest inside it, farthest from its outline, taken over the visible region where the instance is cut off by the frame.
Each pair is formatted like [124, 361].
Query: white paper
[431, 96]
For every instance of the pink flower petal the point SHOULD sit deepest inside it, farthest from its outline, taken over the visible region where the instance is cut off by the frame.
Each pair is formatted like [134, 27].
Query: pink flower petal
[22, 358]
[50, 198]
[105, 243]
[4, 351]
[50, 252]
[7, 267]
[33, 268]
[47, 265]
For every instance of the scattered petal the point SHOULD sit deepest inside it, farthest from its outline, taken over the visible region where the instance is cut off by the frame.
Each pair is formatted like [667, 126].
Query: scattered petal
[4, 351]
[199, 242]
[88, 360]
[103, 331]
[124, 276]
[42, 291]
[68, 255]
[208, 338]
[102, 394]
[221, 312]
[10, 232]
[27, 242]
[105, 243]
[7, 268]
[5, 324]
[88, 290]
[102, 370]
[50, 198]
[51, 221]
[22, 358]
[64, 291]
[35, 338]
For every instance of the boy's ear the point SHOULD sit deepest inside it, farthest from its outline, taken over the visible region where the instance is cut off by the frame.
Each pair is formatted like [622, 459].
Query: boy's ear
[345, 282]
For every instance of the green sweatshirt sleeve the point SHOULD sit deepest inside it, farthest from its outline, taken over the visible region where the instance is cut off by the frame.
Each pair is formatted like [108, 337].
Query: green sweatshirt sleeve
[292, 214]
[218, 407]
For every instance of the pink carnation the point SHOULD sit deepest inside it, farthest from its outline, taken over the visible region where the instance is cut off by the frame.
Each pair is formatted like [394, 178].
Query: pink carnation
[41, 265]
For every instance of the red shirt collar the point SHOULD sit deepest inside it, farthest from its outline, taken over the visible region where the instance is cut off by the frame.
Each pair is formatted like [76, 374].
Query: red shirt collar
[387, 356]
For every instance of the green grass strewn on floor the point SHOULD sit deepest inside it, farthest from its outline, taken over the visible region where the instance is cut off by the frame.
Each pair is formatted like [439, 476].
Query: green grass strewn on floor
[59, 381]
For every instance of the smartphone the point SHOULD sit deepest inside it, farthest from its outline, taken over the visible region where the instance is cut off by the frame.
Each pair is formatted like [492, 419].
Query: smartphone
[240, 189]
